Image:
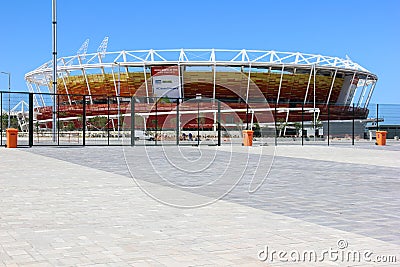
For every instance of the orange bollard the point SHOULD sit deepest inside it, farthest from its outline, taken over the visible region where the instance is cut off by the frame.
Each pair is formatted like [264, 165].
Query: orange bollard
[12, 136]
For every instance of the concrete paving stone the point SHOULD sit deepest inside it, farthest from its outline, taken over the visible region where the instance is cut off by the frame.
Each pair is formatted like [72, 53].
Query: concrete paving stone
[4, 256]
[309, 210]
[37, 264]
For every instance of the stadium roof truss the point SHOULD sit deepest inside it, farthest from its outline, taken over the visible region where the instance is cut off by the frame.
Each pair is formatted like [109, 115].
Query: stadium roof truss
[197, 57]
[83, 62]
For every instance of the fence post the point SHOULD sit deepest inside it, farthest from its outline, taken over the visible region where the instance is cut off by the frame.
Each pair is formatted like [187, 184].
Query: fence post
[329, 115]
[198, 122]
[108, 120]
[276, 138]
[377, 117]
[30, 133]
[177, 122]
[133, 121]
[156, 135]
[84, 121]
[302, 124]
[352, 137]
[219, 123]
[58, 120]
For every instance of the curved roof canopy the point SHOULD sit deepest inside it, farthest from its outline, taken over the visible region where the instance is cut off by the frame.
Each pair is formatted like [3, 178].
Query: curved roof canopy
[201, 57]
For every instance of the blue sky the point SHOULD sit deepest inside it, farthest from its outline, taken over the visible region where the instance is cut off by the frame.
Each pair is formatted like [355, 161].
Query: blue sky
[367, 31]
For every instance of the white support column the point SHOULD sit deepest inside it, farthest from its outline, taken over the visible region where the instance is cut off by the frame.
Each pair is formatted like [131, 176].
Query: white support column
[115, 82]
[280, 84]
[87, 84]
[66, 89]
[145, 123]
[308, 84]
[248, 84]
[86, 79]
[286, 122]
[40, 94]
[349, 90]
[318, 113]
[214, 80]
[145, 83]
[370, 94]
[330, 90]
[179, 80]
[214, 95]
[127, 74]
[113, 124]
[101, 63]
[36, 103]
[362, 94]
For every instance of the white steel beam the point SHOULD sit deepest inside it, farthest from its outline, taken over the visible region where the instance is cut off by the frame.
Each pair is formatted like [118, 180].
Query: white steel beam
[30, 88]
[351, 83]
[66, 89]
[40, 94]
[362, 94]
[214, 80]
[331, 88]
[145, 83]
[280, 84]
[248, 85]
[370, 94]
[115, 82]
[308, 84]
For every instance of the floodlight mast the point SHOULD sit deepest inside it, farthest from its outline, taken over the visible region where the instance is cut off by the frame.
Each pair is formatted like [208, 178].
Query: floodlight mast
[54, 22]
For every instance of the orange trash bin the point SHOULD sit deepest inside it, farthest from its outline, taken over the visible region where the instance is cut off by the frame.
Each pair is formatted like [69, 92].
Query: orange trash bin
[12, 137]
[381, 138]
[248, 137]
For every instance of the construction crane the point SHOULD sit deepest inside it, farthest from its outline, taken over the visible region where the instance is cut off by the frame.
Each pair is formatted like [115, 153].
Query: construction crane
[82, 51]
[103, 47]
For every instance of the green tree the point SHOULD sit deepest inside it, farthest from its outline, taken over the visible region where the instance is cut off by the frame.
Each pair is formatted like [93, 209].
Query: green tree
[281, 124]
[297, 126]
[13, 122]
[98, 122]
[257, 130]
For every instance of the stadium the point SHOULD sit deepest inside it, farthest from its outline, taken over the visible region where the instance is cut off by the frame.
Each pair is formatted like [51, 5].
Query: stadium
[293, 86]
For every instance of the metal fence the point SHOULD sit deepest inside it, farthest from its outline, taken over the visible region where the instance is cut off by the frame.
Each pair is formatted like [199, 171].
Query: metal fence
[84, 120]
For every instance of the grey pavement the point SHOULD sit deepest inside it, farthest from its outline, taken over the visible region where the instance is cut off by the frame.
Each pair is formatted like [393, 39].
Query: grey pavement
[123, 206]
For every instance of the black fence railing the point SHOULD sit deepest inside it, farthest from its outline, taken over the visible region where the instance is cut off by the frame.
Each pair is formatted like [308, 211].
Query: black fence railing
[85, 120]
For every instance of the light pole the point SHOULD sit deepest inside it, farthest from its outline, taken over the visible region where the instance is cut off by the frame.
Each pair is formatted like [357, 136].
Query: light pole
[9, 95]
[54, 41]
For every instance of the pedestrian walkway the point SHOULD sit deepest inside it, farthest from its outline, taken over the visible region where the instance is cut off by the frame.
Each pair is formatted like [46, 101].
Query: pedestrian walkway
[81, 207]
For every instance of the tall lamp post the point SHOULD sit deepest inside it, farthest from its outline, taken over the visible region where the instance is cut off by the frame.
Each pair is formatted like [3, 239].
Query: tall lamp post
[54, 41]
[9, 95]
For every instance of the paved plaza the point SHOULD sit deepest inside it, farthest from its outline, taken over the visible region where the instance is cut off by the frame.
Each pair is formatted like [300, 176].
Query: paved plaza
[200, 206]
